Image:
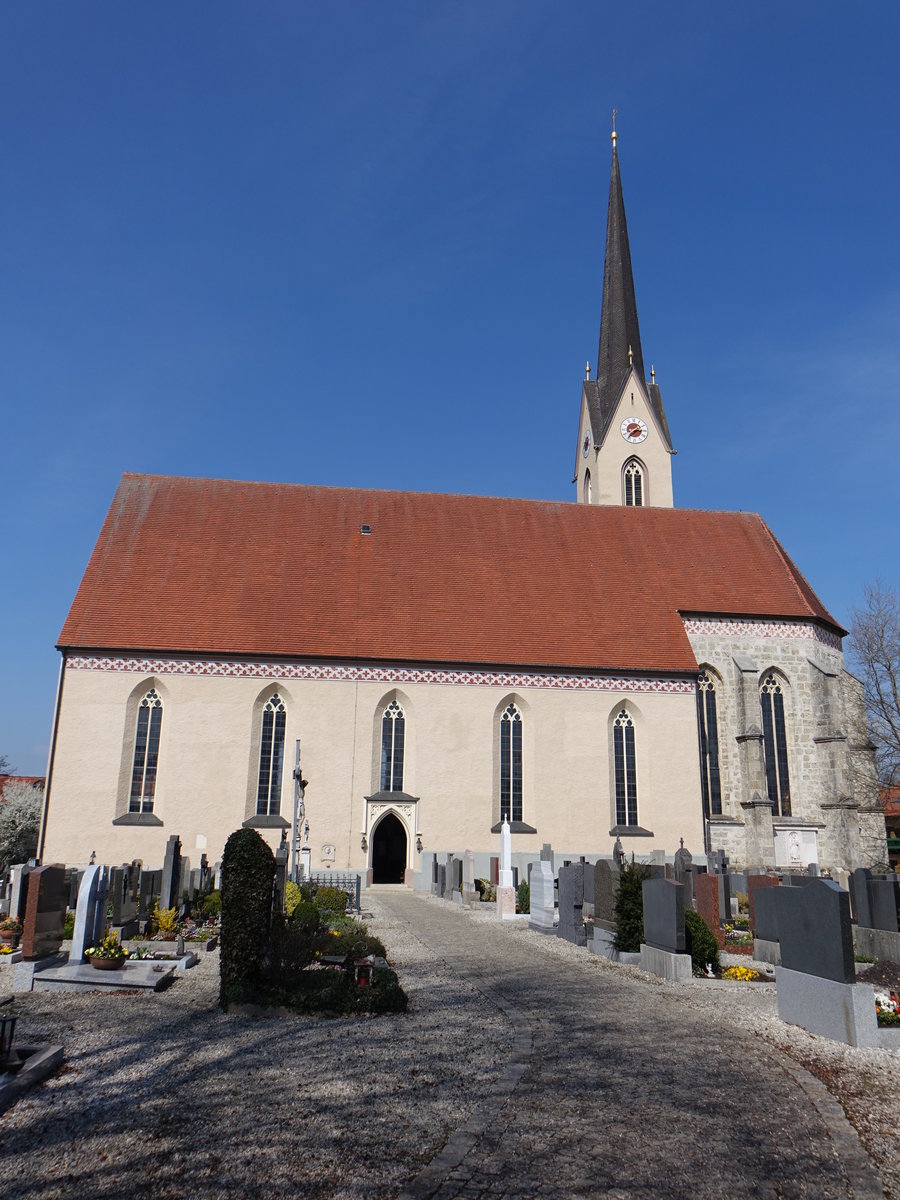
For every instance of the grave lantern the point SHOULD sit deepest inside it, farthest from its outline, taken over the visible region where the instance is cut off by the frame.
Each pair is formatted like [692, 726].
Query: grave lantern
[7, 1029]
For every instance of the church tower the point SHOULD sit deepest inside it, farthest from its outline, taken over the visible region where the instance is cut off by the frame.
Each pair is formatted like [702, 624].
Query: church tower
[624, 453]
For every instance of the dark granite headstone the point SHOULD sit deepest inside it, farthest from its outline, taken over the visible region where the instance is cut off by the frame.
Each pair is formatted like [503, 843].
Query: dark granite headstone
[724, 895]
[814, 930]
[766, 914]
[442, 881]
[664, 915]
[151, 882]
[495, 871]
[884, 896]
[571, 904]
[706, 893]
[606, 885]
[282, 863]
[589, 884]
[45, 912]
[171, 874]
[754, 883]
[859, 897]
[435, 878]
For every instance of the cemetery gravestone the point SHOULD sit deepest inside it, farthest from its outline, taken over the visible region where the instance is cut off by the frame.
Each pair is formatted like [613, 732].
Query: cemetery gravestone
[664, 915]
[754, 883]
[814, 930]
[282, 862]
[542, 896]
[90, 916]
[682, 863]
[571, 902]
[859, 896]
[706, 893]
[606, 884]
[169, 896]
[18, 889]
[469, 892]
[884, 896]
[45, 912]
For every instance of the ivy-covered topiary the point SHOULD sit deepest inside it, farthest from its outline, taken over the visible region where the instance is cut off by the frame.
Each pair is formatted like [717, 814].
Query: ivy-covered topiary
[628, 913]
[700, 943]
[248, 872]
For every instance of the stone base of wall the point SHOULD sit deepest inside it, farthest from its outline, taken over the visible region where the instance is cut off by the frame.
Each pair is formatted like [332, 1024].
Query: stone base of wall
[877, 943]
[676, 967]
[844, 1012]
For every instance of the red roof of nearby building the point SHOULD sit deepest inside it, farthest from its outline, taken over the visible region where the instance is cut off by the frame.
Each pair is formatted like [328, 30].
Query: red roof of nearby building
[219, 567]
[33, 780]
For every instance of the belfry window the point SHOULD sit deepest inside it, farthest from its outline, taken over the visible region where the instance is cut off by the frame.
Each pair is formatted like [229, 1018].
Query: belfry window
[634, 484]
[626, 769]
[587, 494]
[393, 730]
[271, 758]
[511, 764]
[146, 754]
[778, 784]
[708, 727]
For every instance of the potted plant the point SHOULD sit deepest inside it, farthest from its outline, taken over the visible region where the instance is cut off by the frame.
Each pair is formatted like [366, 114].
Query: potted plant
[110, 955]
[10, 931]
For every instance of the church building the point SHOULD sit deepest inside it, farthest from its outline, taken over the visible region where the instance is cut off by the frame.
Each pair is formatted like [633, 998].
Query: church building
[655, 674]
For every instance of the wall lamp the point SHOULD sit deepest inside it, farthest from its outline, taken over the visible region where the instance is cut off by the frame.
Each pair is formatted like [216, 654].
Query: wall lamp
[418, 843]
[364, 845]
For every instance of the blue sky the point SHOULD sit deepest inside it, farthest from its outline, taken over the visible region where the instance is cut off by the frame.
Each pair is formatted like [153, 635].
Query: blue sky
[362, 244]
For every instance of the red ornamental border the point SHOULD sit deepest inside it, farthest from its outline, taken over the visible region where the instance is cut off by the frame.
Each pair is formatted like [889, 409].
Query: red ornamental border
[711, 626]
[361, 674]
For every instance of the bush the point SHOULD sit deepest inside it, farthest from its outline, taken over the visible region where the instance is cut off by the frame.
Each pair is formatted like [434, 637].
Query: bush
[292, 896]
[248, 872]
[211, 908]
[523, 897]
[334, 899]
[69, 925]
[700, 943]
[629, 910]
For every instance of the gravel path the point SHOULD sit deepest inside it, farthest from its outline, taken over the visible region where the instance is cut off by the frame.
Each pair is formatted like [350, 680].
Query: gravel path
[525, 1067]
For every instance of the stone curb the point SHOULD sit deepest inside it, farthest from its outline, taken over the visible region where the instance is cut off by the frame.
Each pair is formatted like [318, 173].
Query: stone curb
[432, 1177]
[865, 1182]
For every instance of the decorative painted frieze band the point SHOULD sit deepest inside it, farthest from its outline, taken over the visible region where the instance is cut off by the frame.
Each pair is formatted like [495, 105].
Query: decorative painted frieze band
[735, 627]
[369, 674]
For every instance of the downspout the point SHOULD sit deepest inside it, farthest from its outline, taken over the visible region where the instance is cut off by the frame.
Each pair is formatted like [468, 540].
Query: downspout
[52, 755]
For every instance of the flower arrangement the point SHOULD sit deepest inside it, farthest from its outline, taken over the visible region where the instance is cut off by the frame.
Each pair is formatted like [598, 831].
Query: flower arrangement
[11, 925]
[110, 948]
[887, 1008]
[741, 974]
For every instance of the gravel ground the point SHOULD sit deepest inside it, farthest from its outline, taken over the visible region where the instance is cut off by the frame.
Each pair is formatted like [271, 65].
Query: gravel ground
[164, 1095]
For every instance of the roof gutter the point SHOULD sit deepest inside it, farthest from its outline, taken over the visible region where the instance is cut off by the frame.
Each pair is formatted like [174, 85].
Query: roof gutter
[50, 760]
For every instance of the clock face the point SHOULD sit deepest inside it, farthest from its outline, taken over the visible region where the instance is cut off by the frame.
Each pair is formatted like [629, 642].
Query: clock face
[586, 445]
[633, 430]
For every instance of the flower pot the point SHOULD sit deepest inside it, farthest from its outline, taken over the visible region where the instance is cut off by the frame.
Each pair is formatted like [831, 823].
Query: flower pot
[8, 938]
[107, 964]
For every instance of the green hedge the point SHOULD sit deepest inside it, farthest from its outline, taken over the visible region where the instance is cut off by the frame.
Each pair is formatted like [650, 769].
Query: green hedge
[700, 943]
[629, 910]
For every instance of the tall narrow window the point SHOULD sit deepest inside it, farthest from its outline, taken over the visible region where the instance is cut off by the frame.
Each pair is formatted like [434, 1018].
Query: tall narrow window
[778, 784]
[626, 769]
[146, 754]
[708, 726]
[511, 764]
[393, 729]
[634, 484]
[587, 494]
[271, 758]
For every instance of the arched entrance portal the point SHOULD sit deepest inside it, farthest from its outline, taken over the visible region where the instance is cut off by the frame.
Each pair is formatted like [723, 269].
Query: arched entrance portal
[389, 851]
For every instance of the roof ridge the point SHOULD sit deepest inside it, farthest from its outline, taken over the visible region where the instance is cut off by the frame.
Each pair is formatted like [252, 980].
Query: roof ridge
[797, 578]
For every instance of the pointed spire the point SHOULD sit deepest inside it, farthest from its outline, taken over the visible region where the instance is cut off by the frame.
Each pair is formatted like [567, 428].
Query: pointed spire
[620, 335]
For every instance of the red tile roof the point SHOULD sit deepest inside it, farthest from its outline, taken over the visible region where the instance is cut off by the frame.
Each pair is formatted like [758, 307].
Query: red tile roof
[219, 567]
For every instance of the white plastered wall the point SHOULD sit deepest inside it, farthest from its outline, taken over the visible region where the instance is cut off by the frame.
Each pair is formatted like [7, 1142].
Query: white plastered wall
[202, 789]
[607, 463]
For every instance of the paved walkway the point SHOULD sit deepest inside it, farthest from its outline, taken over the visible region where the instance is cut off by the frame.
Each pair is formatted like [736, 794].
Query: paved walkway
[617, 1088]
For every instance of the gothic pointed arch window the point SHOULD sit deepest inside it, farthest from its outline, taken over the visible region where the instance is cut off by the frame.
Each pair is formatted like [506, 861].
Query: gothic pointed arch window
[587, 494]
[625, 765]
[635, 484]
[708, 729]
[146, 753]
[271, 757]
[393, 736]
[511, 763]
[778, 785]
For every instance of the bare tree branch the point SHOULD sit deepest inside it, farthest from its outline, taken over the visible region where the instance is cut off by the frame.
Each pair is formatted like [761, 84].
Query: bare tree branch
[875, 651]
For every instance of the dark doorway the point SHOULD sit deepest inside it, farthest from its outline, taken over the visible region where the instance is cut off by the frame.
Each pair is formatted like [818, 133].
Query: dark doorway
[389, 851]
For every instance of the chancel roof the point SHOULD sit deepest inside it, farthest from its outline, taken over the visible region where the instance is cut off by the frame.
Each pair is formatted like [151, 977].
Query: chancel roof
[207, 566]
